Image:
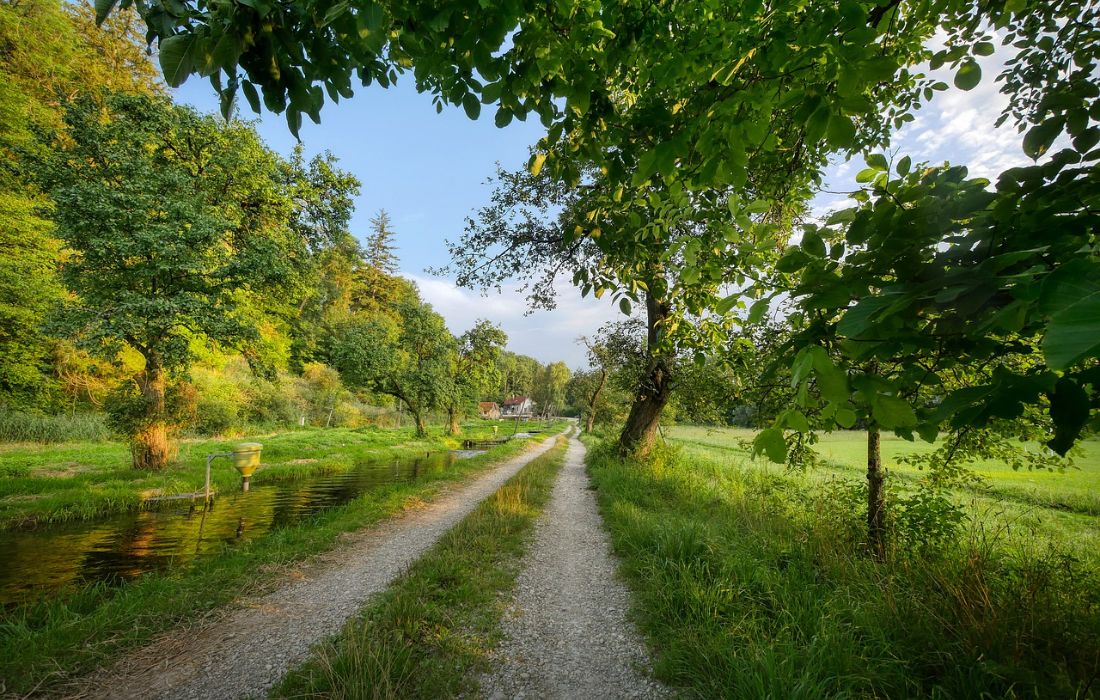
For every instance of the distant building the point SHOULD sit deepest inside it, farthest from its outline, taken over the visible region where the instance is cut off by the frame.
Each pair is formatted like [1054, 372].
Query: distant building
[518, 406]
[489, 410]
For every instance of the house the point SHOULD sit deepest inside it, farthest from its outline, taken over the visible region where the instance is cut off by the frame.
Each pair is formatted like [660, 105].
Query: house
[489, 410]
[518, 406]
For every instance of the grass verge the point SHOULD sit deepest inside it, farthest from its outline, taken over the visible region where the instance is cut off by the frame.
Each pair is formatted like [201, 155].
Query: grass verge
[44, 645]
[753, 584]
[429, 633]
[85, 481]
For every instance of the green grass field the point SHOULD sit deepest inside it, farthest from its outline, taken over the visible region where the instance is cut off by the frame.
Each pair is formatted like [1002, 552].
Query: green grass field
[86, 480]
[1060, 506]
[751, 581]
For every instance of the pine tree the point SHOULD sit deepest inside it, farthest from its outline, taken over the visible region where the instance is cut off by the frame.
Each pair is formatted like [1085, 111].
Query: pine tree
[380, 251]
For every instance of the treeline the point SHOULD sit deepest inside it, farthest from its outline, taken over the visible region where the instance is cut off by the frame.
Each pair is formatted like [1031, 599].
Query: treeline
[167, 270]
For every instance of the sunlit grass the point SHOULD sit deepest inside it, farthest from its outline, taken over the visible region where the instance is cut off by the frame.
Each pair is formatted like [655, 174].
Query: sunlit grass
[82, 481]
[44, 645]
[753, 582]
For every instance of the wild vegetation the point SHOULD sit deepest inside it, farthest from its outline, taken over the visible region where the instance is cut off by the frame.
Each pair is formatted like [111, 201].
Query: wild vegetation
[752, 580]
[684, 144]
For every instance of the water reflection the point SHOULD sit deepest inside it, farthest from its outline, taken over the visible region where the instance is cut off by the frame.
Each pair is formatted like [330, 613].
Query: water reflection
[35, 563]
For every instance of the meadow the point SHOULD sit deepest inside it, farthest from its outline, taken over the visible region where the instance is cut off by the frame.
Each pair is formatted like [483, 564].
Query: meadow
[83, 480]
[753, 581]
[1059, 506]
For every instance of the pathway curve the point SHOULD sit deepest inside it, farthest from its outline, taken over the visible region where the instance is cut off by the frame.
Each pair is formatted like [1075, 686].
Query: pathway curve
[567, 635]
[246, 652]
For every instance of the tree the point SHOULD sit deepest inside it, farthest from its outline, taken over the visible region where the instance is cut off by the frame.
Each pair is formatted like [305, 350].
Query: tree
[408, 357]
[475, 370]
[517, 375]
[172, 220]
[379, 250]
[51, 49]
[377, 286]
[549, 394]
[323, 198]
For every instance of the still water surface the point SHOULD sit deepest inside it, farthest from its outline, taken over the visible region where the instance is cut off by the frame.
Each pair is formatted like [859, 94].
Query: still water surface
[37, 562]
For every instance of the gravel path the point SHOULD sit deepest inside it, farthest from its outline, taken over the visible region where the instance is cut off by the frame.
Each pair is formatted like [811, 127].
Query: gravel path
[566, 634]
[246, 652]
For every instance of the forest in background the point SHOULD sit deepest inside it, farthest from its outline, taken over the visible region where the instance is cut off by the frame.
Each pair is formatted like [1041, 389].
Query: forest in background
[164, 271]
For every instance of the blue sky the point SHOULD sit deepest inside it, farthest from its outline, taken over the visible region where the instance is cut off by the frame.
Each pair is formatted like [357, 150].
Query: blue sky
[428, 171]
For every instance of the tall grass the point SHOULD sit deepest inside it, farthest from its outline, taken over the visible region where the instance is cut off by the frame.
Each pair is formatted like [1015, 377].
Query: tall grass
[427, 634]
[749, 584]
[17, 426]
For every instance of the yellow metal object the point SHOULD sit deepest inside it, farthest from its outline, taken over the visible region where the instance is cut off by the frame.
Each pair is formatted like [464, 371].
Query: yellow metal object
[246, 457]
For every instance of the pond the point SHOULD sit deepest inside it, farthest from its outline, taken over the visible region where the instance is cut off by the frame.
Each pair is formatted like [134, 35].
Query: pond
[37, 562]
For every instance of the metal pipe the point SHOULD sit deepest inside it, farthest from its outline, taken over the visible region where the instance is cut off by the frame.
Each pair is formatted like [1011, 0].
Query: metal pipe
[210, 458]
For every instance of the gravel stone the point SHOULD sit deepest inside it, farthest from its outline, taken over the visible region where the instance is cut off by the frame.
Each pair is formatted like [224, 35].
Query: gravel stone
[566, 632]
[244, 653]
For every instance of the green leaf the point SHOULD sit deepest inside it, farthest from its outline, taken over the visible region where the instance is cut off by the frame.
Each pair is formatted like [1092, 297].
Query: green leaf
[472, 105]
[968, 75]
[1069, 409]
[793, 260]
[102, 9]
[177, 60]
[796, 420]
[845, 417]
[903, 165]
[866, 175]
[503, 117]
[537, 161]
[984, 48]
[771, 443]
[928, 432]
[817, 123]
[1039, 137]
[878, 162]
[1073, 334]
[891, 412]
[723, 307]
[842, 132]
[832, 382]
[858, 319]
[624, 306]
[813, 244]
[758, 309]
[758, 206]
[251, 95]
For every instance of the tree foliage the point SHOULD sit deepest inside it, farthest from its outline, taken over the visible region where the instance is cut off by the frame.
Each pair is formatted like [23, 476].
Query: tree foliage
[408, 357]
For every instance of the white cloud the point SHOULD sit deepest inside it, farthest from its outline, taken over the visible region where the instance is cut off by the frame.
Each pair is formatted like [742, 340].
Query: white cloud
[956, 126]
[548, 336]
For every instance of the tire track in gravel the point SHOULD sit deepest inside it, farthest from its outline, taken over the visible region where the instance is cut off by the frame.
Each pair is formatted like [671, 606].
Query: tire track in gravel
[246, 652]
[566, 633]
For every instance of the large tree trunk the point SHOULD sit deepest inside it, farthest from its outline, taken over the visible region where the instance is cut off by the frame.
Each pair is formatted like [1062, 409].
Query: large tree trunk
[452, 421]
[640, 432]
[876, 496]
[421, 427]
[590, 420]
[150, 447]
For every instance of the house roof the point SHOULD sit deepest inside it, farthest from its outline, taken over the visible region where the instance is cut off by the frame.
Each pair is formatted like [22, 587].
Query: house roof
[487, 405]
[515, 401]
